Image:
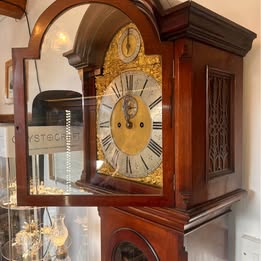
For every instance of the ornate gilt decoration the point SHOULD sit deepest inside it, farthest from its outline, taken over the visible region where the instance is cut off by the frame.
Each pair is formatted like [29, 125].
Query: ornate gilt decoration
[113, 66]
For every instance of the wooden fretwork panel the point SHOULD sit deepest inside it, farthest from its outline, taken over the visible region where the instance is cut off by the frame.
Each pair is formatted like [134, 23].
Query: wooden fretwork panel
[220, 86]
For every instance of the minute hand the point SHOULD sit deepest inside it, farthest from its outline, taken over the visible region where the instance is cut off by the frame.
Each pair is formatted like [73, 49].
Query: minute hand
[130, 108]
[128, 41]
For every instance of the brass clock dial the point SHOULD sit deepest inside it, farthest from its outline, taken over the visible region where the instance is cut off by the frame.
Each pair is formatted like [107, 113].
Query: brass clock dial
[129, 45]
[130, 124]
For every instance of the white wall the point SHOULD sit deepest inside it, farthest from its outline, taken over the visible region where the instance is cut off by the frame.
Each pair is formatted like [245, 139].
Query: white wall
[247, 13]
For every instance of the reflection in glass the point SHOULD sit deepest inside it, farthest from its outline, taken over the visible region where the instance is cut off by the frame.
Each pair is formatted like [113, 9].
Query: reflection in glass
[54, 103]
[94, 108]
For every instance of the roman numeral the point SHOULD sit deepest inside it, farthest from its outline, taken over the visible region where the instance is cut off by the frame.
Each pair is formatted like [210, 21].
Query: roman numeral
[129, 81]
[144, 86]
[128, 165]
[107, 106]
[155, 148]
[157, 125]
[144, 163]
[115, 157]
[155, 103]
[105, 124]
[116, 91]
[106, 142]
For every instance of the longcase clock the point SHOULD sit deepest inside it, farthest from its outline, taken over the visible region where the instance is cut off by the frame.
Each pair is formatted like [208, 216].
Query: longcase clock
[162, 121]
[207, 108]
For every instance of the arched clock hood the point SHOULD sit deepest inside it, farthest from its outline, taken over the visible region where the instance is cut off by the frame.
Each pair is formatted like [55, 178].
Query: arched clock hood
[98, 26]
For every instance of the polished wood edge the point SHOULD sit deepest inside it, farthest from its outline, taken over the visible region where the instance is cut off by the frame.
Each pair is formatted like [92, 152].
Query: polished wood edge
[116, 184]
[185, 221]
[121, 234]
[197, 22]
[87, 51]
[204, 213]
[84, 52]
[91, 200]
[219, 202]
[13, 8]
[150, 8]
[6, 118]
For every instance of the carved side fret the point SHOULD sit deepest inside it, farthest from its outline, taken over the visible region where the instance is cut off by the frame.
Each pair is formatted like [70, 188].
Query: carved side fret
[220, 145]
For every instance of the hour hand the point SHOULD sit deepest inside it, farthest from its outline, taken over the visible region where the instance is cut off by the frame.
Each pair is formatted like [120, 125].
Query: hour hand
[130, 108]
[128, 46]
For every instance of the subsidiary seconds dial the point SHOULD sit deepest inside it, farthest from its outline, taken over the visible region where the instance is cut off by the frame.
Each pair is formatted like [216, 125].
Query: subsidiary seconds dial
[129, 45]
[130, 124]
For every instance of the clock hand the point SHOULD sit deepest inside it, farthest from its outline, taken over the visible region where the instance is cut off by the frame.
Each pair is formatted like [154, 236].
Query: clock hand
[128, 41]
[130, 108]
[126, 112]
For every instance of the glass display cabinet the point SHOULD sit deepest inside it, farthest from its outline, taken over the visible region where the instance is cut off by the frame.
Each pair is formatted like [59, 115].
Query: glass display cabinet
[27, 233]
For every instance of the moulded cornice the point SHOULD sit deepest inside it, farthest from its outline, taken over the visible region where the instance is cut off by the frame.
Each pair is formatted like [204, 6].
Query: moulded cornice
[13, 8]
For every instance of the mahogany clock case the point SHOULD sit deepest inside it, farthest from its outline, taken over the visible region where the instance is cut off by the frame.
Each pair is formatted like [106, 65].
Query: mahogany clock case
[208, 139]
[195, 55]
[89, 188]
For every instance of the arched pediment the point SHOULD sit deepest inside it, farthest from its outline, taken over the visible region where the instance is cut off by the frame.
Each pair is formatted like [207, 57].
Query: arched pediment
[97, 28]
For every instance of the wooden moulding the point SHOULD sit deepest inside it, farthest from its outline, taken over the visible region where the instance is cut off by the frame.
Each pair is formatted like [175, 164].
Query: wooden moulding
[186, 221]
[13, 8]
[195, 21]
